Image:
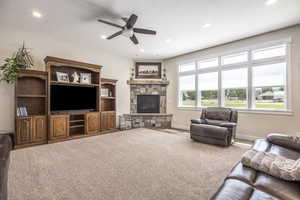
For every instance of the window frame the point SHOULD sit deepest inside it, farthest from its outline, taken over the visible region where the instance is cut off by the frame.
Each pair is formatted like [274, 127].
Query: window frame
[249, 65]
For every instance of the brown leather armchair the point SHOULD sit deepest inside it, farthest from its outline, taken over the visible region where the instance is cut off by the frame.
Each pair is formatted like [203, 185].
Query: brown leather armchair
[216, 125]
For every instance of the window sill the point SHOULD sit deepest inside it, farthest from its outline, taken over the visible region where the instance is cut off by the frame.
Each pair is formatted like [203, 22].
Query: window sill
[251, 111]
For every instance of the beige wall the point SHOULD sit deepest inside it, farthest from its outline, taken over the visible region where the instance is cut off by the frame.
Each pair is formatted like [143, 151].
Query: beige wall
[115, 67]
[250, 124]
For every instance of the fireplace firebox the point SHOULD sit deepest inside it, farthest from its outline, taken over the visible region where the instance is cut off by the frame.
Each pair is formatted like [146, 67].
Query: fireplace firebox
[148, 103]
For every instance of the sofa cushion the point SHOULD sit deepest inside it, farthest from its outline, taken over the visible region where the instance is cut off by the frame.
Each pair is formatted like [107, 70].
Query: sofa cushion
[286, 190]
[233, 189]
[243, 173]
[218, 114]
[237, 190]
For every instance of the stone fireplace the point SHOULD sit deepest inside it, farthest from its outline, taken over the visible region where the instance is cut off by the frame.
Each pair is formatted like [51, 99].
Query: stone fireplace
[148, 105]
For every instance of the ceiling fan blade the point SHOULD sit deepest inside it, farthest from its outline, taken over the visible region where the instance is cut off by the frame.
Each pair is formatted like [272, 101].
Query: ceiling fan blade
[134, 39]
[109, 23]
[131, 21]
[144, 31]
[115, 35]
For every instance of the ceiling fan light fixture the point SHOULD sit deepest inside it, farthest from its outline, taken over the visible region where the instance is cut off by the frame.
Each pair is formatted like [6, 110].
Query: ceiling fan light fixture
[36, 14]
[206, 25]
[103, 37]
[270, 2]
[169, 40]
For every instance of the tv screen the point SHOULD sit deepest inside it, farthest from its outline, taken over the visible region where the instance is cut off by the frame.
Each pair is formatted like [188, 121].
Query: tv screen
[72, 98]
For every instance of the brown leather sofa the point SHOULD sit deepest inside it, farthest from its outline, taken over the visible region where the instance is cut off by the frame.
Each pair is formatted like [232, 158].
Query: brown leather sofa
[5, 148]
[216, 125]
[244, 183]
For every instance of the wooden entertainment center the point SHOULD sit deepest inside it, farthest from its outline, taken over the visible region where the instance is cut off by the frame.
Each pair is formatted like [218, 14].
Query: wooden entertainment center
[49, 103]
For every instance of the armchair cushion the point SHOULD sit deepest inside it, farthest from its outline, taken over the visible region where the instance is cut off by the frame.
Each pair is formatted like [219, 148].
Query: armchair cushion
[198, 121]
[218, 113]
[228, 124]
[291, 142]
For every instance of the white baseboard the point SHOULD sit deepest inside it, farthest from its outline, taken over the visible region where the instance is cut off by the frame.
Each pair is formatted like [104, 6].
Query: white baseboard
[247, 137]
[178, 126]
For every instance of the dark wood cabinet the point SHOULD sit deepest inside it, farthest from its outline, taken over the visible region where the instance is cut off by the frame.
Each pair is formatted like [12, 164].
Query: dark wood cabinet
[92, 121]
[24, 130]
[59, 127]
[108, 120]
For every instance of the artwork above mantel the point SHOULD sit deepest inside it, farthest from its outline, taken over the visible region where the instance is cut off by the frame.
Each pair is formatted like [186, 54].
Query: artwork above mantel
[148, 82]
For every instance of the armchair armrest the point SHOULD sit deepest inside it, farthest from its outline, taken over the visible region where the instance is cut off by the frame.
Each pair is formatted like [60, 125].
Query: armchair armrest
[228, 124]
[198, 121]
[291, 142]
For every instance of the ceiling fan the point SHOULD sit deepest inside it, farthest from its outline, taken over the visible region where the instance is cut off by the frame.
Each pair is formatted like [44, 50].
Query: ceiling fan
[128, 29]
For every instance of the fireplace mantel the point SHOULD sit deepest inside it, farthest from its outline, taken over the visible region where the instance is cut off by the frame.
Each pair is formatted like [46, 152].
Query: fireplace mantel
[148, 82]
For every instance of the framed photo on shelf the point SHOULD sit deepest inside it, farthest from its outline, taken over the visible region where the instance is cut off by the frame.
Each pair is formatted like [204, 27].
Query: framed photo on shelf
[62, 77]
[85, 78]
[148, 70]
[22, 112]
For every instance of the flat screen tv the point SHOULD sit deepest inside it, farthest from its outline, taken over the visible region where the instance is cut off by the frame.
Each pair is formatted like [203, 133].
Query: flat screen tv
[70, 98]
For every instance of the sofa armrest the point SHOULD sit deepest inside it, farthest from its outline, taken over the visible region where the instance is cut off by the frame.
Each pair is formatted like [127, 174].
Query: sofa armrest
[291, 142]
[198, 121]
[228, 124]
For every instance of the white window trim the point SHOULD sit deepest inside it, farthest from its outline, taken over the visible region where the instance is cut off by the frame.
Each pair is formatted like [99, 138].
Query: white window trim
[249, 65]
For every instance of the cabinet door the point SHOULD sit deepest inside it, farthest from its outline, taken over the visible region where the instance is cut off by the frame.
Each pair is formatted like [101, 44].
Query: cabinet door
[112, 120]
[39, 132]
[92, 123]
[59, 126]
[24, 130]
[104, 121]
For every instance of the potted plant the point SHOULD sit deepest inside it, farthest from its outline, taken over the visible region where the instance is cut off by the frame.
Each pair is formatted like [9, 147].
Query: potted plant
[21, 59]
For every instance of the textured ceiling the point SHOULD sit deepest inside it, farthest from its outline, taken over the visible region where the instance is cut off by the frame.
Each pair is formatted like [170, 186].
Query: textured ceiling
[180, 21]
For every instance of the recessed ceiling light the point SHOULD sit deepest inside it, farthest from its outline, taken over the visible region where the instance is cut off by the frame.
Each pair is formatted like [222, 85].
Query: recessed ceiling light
[142, 50]
[270, 2]
[168, 40]
[37, 14]
[206, 26]
[103, 37]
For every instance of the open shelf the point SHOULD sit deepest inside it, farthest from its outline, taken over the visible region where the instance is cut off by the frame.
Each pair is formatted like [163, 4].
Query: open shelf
[108, 97]
[73, 121]
[31, 96]
[76, 124]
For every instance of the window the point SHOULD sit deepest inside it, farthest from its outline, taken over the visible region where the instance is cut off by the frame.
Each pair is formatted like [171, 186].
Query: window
[235, 58]
[269, 86]
[208, 89]
[255, 78]
[187, 67]
[269, 52]
[234, 83]
[208, 63]
[187, 91]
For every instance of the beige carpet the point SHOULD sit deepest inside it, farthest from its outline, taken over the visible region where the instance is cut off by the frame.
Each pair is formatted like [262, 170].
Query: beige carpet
[140, 164]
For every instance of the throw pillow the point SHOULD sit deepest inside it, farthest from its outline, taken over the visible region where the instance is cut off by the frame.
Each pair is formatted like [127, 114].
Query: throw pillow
[272, 164]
